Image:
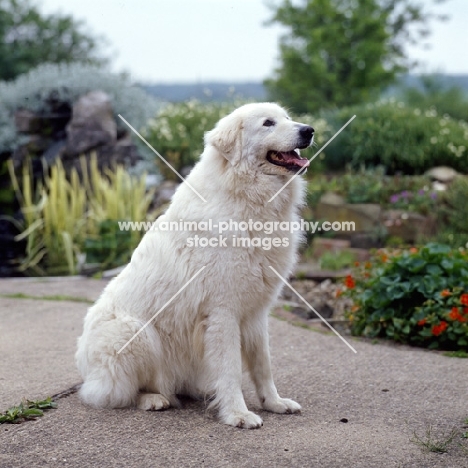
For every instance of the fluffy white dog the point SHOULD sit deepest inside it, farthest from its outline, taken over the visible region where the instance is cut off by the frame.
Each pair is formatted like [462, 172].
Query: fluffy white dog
[198, 344]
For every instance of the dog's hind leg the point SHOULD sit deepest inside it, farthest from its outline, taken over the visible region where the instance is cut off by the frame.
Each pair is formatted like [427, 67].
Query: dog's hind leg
[114, 362]
[112, 384]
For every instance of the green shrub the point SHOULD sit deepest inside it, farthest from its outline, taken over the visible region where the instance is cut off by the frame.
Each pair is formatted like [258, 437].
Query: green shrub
[48, 83]
[422, 201]
[371, 186]
[400, 138]
[64, 217]
[177, 132]
[418, 297]
[452, 214]
[337, 260]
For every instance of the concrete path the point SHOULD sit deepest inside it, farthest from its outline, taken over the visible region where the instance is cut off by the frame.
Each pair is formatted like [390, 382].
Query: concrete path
[384, 392]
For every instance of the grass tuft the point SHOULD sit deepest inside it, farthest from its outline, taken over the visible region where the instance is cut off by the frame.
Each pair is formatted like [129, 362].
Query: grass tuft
[433, 444]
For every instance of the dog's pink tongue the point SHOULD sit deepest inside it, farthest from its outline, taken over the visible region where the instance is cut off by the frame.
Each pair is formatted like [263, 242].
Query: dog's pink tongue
[291, 157]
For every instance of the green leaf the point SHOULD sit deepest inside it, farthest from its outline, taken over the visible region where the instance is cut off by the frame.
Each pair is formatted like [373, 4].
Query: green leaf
[433, 269]
[32, 412]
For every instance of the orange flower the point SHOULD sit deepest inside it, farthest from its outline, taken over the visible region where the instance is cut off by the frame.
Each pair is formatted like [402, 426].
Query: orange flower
[445, 293]
[349, 282]
[354, 308]
[356, 264]
[366, 274]
[455, 314]
[464, 299]
[413, 250]
[368, 265]
[384, 258]
[338, 293]
[438, 329]
[422, 322]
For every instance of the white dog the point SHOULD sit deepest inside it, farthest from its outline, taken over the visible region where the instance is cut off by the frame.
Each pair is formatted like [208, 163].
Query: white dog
[199, 342]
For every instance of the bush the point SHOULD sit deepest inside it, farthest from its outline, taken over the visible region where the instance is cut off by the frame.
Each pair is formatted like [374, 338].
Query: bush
[177, 132]
[422, 201]
[63, 217]
[400, 138]
[419, 297]
[47, 84]
[452, 214]
[373, 186]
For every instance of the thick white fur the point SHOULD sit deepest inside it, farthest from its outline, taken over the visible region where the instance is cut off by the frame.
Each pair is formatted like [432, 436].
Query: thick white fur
[199, 343]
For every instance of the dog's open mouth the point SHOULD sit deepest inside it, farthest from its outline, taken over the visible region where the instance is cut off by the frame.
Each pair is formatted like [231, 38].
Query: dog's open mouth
[290, 160]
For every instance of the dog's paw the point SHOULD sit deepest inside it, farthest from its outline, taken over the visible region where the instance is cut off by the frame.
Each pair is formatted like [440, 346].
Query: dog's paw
[247, 420]
[282, 406]
[152, 402]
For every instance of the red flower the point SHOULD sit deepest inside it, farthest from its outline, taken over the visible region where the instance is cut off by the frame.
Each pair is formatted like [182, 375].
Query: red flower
[438, 329]
[349, 282]
[422, 322]
[465, 310]
[455, 314]
[464, 299]
[445, 293]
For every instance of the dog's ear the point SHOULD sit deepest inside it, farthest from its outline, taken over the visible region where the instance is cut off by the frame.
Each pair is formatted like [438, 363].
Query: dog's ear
[226, 137]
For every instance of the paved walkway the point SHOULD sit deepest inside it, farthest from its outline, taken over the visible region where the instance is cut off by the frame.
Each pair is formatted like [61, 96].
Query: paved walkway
[385, 393]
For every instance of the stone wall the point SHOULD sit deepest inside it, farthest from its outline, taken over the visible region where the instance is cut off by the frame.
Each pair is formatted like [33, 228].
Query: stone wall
[68, 132]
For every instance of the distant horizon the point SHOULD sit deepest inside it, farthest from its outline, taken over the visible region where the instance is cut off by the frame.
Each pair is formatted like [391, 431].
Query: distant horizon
[253, 81]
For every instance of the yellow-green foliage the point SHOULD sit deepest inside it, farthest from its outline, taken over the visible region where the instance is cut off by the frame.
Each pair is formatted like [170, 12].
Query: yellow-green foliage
[63, 211]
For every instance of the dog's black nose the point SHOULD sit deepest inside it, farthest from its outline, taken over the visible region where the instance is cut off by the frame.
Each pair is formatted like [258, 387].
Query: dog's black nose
[306, 132]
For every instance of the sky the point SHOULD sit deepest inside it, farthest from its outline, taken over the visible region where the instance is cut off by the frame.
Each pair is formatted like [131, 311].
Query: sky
[175, 41]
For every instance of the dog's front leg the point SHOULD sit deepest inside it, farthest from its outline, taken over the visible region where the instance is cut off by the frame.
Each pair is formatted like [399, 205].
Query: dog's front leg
[223, 362]
[257, 355]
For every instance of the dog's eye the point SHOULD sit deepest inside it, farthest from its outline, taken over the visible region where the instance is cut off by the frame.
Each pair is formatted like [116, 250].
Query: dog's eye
[268, 123]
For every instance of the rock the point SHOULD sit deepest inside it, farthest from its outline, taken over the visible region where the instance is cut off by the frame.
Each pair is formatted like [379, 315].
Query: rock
[407, 226]
[92, 124]
[321, 296]
[439, 186]
[26, 121]
[332, 198]
[54, 151]
[320, 306]
[365, 216]
[442, 174]
[364, 240]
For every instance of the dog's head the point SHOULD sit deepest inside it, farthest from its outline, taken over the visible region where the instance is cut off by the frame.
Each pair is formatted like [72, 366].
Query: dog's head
[262, 137]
